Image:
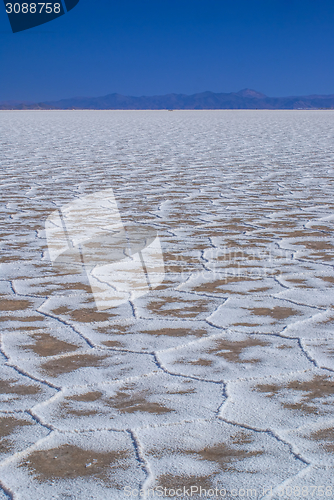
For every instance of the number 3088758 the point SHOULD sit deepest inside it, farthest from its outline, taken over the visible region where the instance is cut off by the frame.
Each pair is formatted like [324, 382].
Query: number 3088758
[32, 8]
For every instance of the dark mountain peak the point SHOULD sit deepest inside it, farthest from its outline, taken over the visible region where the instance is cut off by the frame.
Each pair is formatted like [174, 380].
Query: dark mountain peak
[251, 93]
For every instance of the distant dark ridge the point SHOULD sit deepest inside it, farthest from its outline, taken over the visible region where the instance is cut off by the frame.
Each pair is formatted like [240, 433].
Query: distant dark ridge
[245, 99]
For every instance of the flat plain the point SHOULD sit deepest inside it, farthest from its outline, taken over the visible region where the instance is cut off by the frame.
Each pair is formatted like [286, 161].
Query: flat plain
[221, 378]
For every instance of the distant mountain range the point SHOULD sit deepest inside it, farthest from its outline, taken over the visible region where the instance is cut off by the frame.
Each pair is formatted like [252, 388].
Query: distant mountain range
[245, 99]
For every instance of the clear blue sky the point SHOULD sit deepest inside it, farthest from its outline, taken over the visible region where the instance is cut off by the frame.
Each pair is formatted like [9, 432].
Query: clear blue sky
[147, 47]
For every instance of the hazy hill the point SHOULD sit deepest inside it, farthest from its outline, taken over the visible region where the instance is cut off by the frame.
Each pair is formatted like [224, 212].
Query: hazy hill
[245, 99]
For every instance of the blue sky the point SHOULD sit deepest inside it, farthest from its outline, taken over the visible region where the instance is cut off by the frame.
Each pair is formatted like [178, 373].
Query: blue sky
[278, 47]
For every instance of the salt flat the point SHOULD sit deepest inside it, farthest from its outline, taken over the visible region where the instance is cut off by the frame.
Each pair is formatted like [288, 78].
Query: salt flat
[221, 377]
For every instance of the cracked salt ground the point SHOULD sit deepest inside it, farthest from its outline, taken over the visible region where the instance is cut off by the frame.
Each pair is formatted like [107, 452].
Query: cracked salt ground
[259, 314]
[291, 401]
[19, 431]
[217, 454]
[320, 325]
[138, 402]
[83, 367]
[319, 297]
[321, 351]
[222, 376]
[20, 391]
[234, 355]
[312, 481]
[142, 335]
[225, 286]
[67, 465]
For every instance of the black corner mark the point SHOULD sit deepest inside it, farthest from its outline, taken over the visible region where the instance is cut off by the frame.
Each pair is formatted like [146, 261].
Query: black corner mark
[24, 15]
[70, 4]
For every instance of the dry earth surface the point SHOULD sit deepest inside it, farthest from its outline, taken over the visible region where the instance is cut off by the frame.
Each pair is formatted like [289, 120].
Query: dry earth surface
[222, 378]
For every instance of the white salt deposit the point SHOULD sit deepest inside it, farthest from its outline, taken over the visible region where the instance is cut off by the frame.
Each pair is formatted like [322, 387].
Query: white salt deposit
[221, 377]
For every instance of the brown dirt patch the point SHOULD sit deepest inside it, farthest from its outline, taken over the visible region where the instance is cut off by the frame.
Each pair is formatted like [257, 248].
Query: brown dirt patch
[318, 388]
[198, 362]
[88, 396]
[231, 350]
[189, 309]
[257, 290]
[176, 332]
[223, 455]
[68, 364]
[114, 329]
[14, 305]
[297, 281]
[26, 319]
[113, 343]
[128, 400]
[325, 435]
[66, 409]
[8, 426]
[70, 462]
[83, 315]
[215, 286]
[276, 312]
[77, 286]
[315, 245]
[47, 345]
[328, 279]
[178, 262]
[242, 438]
[11, 387]
[91, 316]
[10, 258]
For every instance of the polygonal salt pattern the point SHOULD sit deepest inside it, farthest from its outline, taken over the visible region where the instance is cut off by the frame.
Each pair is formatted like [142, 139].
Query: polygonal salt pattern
[18, 432]
[20, 311]
[320, 278]
[86, 366]
[315, 443]
[142, 335]
[321, 351]
[49, 339]
[153, 400]
[234, 356]
[256, 314]
[175, 305]
[72, 466]
[314, 481]
[311, 247]
[216, 455]
[319, 326]
[222, 285]
[79, 310]
[219, 377]
[316, 289]
[46, 286]
[281, 403]
[21, 392]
